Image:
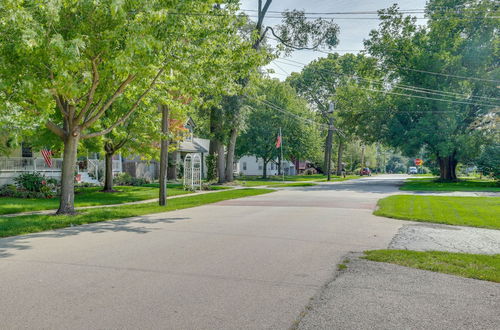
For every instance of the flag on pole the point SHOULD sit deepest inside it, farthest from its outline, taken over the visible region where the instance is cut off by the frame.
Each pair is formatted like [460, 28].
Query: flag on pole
[278, 141]
[47, 156]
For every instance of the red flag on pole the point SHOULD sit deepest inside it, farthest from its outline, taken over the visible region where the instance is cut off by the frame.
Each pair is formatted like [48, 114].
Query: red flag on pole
[47, 156]
[278, 141]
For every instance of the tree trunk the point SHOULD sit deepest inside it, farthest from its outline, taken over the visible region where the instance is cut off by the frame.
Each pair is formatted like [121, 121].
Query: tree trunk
[164, 156]
[108, 179]
[230, 155]
[67, 202]
[447, 168]
[339, 158]
[221, 164]
[264, 169]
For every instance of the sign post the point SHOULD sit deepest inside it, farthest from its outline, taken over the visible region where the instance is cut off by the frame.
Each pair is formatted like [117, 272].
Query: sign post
[420, 162]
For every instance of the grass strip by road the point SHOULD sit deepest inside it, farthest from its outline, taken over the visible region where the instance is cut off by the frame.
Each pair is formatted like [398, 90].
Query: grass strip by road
[311, 177]
[295, 184]
[481, 212]
[478, 266]
[335, 178]
[275, 182]
[425, 184]
[89, 196]
[11, 226]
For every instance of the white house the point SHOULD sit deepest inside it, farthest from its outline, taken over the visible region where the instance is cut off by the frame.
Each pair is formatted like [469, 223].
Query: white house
[251, 165]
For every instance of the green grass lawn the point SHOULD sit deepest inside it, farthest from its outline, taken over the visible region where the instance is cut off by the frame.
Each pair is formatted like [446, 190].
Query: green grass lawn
[179, 186]
[295, 184]
[87, 197]
[335, 178]
[425, 184]
[275, 181]
[478, 266]
[464, 211]
[11, 226]
[312, 177]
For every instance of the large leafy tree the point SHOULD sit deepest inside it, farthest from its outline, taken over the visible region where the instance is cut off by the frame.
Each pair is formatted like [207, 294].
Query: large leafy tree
[441, 79]
[276, 106]
[343, 80]
[67, 62]
[295, 32]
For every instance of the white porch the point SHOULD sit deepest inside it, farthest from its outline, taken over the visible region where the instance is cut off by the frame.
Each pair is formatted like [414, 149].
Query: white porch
[89, 169]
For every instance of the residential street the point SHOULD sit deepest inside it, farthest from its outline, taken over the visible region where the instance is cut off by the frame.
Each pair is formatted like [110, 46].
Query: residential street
[251, 263]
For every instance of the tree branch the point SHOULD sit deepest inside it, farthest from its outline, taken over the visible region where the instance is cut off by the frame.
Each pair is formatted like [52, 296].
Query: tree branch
[269, 28]
[129, 113]
[110, 101]
[260, 21]
[55, 129]
[91, 93]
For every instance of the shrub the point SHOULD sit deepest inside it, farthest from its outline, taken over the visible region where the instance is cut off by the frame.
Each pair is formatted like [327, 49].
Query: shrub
[31, 181]
[30, 185]
[8, 190]
[489, 161]
[125, 179]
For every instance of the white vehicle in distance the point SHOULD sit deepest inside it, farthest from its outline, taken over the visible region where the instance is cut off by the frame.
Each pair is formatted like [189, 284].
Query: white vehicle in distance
[412, 170]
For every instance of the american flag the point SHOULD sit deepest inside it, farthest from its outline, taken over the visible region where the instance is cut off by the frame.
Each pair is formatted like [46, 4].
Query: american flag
[278, 140]
[47, 156]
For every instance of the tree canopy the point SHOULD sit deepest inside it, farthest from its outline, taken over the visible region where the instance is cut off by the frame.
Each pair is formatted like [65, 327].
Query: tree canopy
[441, 79]
[276, 106]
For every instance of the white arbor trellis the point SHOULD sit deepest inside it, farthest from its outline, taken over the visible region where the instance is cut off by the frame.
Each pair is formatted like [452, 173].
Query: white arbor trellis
[192, 171]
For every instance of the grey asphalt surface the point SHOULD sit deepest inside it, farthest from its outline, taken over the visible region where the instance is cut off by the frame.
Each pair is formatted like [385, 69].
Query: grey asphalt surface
[373, 295]
[251, 263]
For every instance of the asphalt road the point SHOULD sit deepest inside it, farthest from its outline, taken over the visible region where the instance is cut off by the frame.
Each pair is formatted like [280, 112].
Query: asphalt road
[374, 295]
[250, 263]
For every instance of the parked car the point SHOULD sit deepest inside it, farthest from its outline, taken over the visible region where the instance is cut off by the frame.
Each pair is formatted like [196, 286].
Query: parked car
[412, 170]
[366, 171]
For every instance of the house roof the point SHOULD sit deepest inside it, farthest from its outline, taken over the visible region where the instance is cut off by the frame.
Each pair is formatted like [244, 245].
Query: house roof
[196, 145]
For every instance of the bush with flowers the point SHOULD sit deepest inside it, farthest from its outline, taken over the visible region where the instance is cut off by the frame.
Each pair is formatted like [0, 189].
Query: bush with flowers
[30, 185]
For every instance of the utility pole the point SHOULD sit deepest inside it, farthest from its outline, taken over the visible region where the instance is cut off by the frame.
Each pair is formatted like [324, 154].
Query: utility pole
[362, 156]
[329, 142]
[163, 154]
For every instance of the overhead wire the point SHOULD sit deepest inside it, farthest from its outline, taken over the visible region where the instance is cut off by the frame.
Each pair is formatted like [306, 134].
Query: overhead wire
[430, 91]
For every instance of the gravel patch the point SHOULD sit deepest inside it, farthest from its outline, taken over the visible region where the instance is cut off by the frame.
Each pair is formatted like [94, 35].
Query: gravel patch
[435, 237]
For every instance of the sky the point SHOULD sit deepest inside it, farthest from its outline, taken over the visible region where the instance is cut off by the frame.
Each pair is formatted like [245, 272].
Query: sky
[352, 31]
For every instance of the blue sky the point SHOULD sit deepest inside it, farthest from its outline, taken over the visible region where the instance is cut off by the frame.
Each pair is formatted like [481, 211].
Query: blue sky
[352, 32]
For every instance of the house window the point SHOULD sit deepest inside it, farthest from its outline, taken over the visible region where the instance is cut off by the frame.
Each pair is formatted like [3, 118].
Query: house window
[26, 150]
[272, 166]
[260, 167]
[244, 166]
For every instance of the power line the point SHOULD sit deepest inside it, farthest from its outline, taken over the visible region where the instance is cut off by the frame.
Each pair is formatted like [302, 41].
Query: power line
[410, 69]
[434, 91]
[429, 98]
[422, 90]
[450, 75]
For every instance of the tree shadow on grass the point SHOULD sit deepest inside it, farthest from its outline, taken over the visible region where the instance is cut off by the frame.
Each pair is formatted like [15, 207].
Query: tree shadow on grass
[135, 225]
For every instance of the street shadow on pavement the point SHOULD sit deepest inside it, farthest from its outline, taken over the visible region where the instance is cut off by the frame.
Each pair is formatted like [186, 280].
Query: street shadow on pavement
[374, 186]
[131, 225]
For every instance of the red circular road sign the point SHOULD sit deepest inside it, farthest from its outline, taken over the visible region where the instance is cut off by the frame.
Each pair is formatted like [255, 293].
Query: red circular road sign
[418, 161]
